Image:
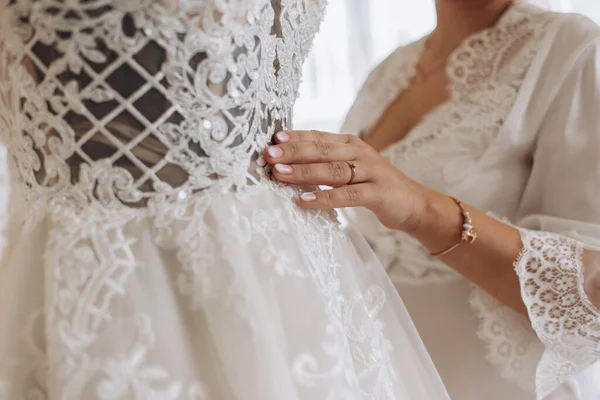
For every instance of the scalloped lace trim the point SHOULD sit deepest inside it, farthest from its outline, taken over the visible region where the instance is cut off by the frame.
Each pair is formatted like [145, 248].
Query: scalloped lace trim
[552, 285]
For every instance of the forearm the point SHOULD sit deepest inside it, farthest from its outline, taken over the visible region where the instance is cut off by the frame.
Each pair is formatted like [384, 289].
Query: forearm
[488, 262]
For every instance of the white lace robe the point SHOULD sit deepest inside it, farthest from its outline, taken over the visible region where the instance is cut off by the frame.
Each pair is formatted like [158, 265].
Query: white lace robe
[519, 138]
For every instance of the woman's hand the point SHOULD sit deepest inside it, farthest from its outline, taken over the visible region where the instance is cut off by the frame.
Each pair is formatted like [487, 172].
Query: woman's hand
[324, 159]
[317, 158]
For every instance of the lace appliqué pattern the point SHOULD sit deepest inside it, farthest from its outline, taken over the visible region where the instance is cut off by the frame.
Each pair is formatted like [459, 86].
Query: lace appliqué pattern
[550, 270]
[158, 100]
[88, 268]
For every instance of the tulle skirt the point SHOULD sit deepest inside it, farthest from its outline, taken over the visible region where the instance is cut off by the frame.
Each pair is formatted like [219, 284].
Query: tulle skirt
[228, 296]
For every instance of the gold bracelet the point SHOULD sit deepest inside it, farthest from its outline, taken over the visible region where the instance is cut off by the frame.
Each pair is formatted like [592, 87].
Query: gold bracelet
[468, 234]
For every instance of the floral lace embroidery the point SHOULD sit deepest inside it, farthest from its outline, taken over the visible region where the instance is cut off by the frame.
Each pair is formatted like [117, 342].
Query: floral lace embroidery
[552, 284]
[158, 101]
[90, 264]
[483, 85]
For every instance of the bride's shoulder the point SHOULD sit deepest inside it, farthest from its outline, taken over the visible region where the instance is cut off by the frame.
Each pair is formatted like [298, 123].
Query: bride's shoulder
[403, 52]
[567, 41]
[393, 65]
[570, 44]
[574, 32]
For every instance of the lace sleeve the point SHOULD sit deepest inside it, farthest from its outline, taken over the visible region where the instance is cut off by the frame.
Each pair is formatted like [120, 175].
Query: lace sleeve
[559, 219]
[560, 286]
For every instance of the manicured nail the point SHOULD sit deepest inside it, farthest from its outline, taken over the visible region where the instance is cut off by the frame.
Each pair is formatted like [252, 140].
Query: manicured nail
[283, 169]
[275, 152]
[308, 196]
[282, 137]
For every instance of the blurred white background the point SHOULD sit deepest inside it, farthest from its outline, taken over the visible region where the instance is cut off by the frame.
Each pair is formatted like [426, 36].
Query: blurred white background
[356, 35]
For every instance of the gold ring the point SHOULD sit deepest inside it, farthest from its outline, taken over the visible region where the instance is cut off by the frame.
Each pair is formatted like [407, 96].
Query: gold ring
[352, 172]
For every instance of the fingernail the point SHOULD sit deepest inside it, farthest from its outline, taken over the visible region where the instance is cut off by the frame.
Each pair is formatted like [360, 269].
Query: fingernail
[308, 196]
[275, 152]
[282, 137]
[283, 169]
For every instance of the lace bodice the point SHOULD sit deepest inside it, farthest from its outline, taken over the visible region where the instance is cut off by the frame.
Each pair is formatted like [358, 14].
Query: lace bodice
[139, 102]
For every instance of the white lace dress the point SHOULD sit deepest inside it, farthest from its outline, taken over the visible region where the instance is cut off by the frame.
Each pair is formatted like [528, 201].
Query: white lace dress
[148, 255]
[520, 138]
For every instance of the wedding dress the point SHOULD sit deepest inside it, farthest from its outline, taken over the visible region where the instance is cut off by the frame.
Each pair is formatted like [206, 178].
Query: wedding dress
[147, 255]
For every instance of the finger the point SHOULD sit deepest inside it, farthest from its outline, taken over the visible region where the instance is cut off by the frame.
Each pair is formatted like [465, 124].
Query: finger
[311, 136]
[309, 152]
[329, 174]
[361, 195]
